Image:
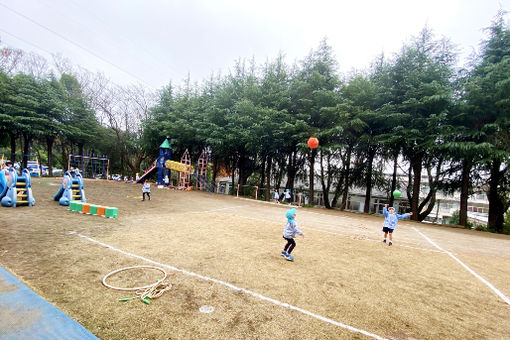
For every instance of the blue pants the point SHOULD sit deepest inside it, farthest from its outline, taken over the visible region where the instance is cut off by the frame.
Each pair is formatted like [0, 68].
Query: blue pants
[290, 245]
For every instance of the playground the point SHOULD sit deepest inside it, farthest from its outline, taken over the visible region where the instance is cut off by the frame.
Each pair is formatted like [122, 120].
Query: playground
[224, 253]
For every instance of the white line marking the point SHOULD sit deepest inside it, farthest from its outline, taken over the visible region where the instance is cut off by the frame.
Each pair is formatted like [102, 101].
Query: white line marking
[494, 289]
[212, 210]
[238, 289]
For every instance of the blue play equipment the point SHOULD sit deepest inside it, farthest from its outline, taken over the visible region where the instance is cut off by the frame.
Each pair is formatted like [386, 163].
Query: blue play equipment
[71, 188]
[3, 183]
[165, 154]
[16, 190]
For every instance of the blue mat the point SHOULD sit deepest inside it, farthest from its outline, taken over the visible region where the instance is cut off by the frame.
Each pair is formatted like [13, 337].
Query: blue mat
[25, 315]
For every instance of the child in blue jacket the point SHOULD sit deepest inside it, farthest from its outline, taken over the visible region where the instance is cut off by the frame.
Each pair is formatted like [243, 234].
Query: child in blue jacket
[291, 230]
[390, 221]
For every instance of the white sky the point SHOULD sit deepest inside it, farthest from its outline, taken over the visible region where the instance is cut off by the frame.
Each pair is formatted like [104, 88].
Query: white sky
[156, 41]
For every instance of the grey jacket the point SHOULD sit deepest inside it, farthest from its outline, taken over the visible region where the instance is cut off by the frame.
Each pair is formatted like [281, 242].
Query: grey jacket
[291, 230]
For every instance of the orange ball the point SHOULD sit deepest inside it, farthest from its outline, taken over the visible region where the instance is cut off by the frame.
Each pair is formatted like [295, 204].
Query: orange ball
[313, 142]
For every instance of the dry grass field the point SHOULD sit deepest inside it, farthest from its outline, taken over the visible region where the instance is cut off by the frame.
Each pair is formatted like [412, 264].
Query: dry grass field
[224, 252]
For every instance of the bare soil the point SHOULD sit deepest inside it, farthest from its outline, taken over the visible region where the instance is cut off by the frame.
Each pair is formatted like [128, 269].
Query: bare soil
[342, 271]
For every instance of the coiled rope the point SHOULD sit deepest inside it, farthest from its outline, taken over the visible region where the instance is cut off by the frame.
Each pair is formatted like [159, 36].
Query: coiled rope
[145, 293]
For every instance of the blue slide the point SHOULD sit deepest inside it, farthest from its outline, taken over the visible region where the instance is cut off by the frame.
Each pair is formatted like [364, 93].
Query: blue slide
[17, 190]
[71, 188]
[3, 183]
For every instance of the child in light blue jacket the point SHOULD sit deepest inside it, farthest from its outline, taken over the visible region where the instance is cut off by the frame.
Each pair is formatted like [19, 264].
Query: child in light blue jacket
[390, 221]
[289, 233]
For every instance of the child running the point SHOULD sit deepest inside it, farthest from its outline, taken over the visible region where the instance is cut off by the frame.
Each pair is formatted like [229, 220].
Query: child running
[291, 230]
[390, 221]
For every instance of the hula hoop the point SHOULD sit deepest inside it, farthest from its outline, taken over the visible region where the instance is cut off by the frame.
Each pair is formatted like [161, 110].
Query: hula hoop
[133, 267]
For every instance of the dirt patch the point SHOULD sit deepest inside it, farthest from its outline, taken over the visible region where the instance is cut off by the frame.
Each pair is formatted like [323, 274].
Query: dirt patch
[342, 271]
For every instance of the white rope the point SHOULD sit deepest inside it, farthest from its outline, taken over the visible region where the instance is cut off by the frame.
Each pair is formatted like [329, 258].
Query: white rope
[151, 291]
[133, 267]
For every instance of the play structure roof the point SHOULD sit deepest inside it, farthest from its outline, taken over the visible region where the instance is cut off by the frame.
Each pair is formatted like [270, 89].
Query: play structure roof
[165, 145]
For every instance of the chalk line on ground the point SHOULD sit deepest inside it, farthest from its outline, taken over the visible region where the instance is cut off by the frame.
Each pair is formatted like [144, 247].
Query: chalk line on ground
[238, 289]
[494, 289]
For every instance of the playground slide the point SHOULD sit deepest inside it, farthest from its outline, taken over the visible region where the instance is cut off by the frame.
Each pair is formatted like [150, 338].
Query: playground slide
[148, 172]
[71, 188]
[3, 183]
[19, 189]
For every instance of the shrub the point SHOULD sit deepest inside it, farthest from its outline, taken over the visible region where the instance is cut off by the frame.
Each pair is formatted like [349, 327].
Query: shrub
[506, 223]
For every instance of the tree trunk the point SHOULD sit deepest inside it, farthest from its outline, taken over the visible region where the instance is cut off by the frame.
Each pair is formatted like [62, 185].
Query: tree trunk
[49, 145]
[262, 171]
[415, 199]
[64, 157]
[268, 178]
[279, 176]
[243, 171]
[347, 171]
[368, 183]
[234, 190]
[496, 207]
[431, 197]
[215, 168]
[291, 170]
[26, 149]
[313, 153]
[394, 181]
[464, 192]
[13, 136]
[326, 184]
[338, 191]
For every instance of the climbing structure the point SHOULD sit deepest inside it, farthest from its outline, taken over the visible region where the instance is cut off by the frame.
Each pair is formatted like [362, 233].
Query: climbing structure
[201, 169]
[184, 177]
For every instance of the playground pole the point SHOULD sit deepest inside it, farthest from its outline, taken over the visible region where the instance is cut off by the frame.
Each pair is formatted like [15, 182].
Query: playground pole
[237, 190]
[256, 192]
[299, 200]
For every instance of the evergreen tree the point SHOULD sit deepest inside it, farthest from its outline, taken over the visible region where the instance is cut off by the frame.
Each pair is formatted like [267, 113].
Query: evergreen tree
[487, 93]
[423, 94]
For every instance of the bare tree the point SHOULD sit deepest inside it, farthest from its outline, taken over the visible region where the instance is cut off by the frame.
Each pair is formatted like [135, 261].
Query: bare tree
[10, 58]
[34, 64]
[123, 109]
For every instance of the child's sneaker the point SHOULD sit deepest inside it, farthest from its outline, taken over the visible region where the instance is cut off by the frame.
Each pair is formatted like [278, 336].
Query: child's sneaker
[390, 243]
[284, 253]
[289, 257]
[384, 241]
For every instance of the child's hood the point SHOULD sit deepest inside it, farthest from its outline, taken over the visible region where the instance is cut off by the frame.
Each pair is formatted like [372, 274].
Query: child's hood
[290, 214]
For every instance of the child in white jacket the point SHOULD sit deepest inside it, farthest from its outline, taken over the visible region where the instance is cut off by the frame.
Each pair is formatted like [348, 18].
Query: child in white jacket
[146, 190]
[289, 233]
